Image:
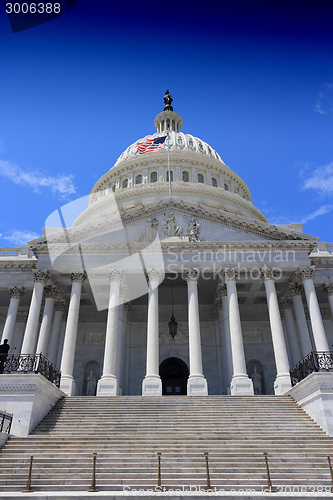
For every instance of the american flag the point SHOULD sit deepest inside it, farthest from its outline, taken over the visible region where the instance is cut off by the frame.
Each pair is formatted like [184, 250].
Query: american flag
[151, 145]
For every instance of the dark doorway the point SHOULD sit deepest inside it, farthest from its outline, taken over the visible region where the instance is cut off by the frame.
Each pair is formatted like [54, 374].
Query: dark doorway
[174, 375]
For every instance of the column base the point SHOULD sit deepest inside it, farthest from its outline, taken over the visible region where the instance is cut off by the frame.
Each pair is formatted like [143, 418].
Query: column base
[67, 385]
[152, 386]
[282, 384]
[241, 385]
[197, 386]
[107, 386]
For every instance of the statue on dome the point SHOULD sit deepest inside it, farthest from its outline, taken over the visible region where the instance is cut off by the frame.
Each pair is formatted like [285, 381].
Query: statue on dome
[167, 101]
[193, 229]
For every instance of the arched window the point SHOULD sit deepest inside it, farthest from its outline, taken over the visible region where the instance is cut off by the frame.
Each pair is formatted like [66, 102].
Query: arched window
[180, 140]
[186, 177]
[125, 183]
[200, 178]
[214, 182]
[153, 177]
[190, 143]
[200, 146]
[226, 187]
[167, 175]
[138, 179]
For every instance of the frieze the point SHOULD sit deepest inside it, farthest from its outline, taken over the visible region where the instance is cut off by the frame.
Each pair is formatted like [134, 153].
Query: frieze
[253, 337]
[17, 387]
[95, 338]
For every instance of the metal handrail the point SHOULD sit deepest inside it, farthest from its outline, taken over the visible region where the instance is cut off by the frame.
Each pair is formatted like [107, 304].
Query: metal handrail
[31, 363]
[314, 362]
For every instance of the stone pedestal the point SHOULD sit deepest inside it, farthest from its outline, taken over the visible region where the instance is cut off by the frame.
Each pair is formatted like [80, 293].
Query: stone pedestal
[107, 386]
[314, 395]
[152, 386]
[68, 385]
[29, 397]
[197, 386]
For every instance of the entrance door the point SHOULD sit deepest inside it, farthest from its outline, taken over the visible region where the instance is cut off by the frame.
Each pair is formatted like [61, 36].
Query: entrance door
[174, 375]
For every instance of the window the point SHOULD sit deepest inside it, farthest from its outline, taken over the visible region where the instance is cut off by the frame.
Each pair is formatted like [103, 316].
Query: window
[186, 177]
[167, 175]
[214, 182]
[138, 179]
[180, 140]
[200, 146]
[209, 151]
[169, 141]
[153, 177]
[190, 143]
[226, 187]
[113, 187]
[200, 178]
[125, 183]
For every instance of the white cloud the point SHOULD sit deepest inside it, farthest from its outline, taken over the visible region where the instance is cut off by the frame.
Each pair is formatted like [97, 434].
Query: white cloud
[299, 219]
[321, 180]
[18, 237]
[61, 184]
[325, 209]
[324, 103]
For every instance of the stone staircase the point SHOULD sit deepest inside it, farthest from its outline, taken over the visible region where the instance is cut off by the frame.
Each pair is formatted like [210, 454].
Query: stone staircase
[127, 433]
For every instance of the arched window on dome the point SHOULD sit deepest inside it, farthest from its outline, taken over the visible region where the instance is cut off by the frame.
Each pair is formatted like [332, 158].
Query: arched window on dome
[214, 182]
[190, 143]
[167, 175]
[201, 146]
[153, 177]
[185, 176]
[200, 178]
[138, 179]
[125, 183]
[226, 187]
[180, 140]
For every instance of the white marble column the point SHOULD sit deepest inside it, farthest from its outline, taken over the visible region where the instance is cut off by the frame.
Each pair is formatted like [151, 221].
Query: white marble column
[328, 289]
[31, 331]
[282, 383]
[152, 384]
[241, 384]
[295, 290]
[15, 294]
[319, 335]
[292, 336]
[197, 384]
[121, 340]
[108, 384]
[67, 383]
[223, 312]
[52, 353]
[51, 292]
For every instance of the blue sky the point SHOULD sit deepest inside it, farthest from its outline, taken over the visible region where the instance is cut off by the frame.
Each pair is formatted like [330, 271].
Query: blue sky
[253, 79]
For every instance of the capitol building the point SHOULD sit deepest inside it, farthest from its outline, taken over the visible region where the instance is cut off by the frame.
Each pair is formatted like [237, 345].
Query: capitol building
[167, 280]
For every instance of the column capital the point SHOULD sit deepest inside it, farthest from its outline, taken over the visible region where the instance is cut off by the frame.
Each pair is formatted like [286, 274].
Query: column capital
[286, 303]
[60, 304]
[16, 293]
[51, 291]
[116, 275]
[267, 273]
[306, 273]
[328, 288]
[295, 288]
[222, 290]
[77, 276]
[191, 275]
[230, 274]
[155, 275]
[40, 276]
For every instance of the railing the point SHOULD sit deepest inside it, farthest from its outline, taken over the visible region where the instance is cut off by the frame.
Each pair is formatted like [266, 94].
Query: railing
[23, 252]
[31, 363]
[5, 421]
[313, 362]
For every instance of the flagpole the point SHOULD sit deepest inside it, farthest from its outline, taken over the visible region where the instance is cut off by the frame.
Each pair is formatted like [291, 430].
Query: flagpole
[170, 193]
